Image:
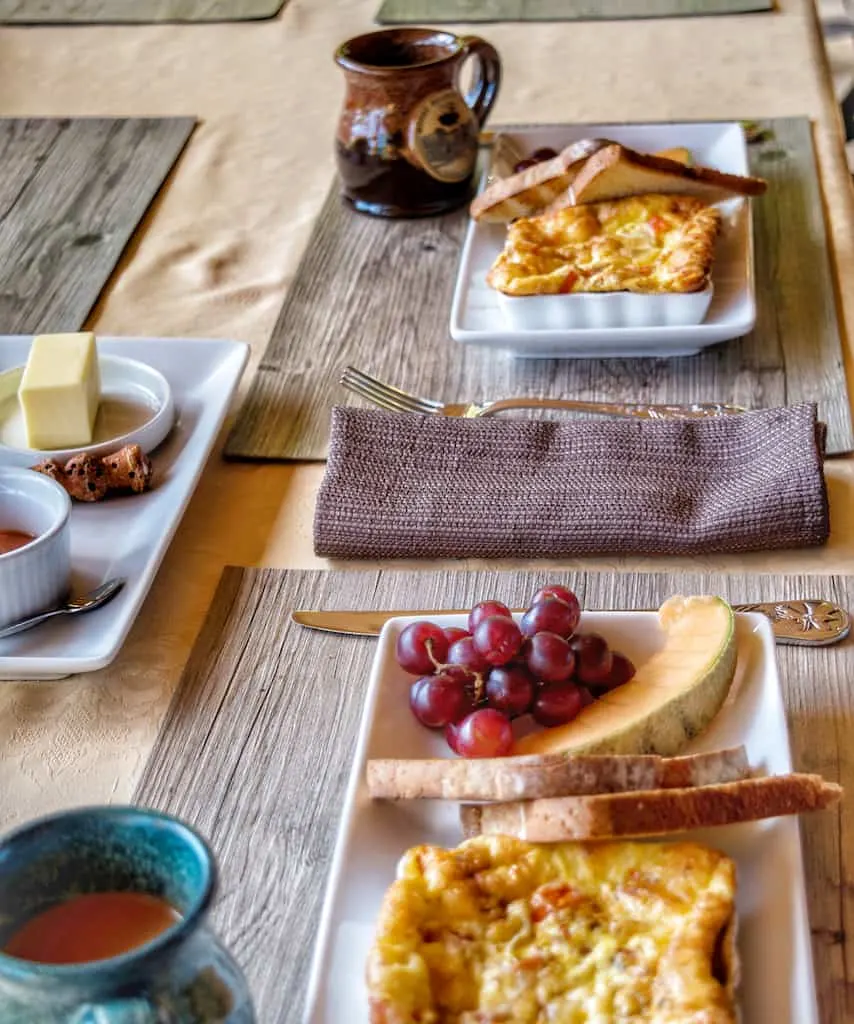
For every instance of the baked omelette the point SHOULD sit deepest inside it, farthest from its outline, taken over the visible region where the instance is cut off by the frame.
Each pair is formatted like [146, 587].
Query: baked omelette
[500, 931]
[647, 243]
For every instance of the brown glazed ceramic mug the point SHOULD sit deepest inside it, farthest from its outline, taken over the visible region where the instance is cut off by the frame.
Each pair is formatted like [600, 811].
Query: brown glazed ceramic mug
[407, 137]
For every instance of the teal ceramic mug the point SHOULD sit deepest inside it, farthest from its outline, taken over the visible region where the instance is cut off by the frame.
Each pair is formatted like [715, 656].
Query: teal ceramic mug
[183, 975]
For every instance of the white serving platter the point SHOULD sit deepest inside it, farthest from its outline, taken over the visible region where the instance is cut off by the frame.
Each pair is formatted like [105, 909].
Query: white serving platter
[774, 939]
[477, 315]
[128, 536]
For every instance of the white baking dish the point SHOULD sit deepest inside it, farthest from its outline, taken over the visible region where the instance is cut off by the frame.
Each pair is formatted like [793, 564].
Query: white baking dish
[605, 309]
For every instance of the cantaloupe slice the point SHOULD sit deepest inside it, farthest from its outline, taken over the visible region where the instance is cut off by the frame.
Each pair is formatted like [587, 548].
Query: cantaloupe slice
[672, 698]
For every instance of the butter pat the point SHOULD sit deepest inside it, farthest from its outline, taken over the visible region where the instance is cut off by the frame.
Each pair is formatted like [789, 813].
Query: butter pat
[60, 391]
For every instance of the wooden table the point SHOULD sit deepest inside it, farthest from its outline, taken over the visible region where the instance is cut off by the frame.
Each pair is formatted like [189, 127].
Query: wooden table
[217, 252]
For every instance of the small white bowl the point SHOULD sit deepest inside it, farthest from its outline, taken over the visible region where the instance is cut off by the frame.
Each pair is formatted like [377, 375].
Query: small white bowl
[604, 310]
[126, 384]
[37, 576]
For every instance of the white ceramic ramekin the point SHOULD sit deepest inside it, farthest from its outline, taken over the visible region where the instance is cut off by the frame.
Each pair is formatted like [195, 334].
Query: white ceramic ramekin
[37, 576]
[121, 378]
[605, 310]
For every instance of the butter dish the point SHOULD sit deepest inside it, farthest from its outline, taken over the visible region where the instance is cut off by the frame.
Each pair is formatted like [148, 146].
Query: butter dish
[137, 407]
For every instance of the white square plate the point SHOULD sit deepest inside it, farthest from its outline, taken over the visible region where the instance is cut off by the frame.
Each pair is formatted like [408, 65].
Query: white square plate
[476, 314]
[774, 939]
[128, 536]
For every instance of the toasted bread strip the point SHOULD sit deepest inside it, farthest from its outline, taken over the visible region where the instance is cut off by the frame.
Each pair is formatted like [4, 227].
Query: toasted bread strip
[533, 777]
[531, 190]
[615, 172]
[651, 812]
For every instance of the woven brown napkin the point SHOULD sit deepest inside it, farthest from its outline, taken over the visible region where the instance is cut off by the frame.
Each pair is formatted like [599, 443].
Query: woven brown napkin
[406, 486]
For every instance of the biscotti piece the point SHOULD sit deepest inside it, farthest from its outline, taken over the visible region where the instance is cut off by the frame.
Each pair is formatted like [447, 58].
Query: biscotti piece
[650, 813]
[531, 190]
[534, 777]
[615, 172]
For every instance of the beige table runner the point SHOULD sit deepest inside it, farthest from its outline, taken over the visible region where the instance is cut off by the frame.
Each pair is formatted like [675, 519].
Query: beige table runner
[72, 192]
[256, 748]
[399, 12]
[66, 12]
[393, 283]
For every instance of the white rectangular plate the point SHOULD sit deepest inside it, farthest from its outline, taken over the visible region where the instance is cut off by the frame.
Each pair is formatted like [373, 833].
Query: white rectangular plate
[128, 536]
[774, 939]
[476, 314]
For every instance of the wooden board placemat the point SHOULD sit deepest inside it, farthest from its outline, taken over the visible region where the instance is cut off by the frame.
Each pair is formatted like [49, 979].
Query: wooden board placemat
[377, 294]
[402, 12]
[83, 12]
[256, 748]
[72, 193]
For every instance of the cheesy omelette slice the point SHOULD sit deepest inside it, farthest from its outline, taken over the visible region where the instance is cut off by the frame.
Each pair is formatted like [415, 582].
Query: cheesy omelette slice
[499, 931]
[647, 243]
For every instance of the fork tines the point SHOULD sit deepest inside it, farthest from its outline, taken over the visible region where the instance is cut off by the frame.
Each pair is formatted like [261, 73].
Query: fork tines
[384, 395]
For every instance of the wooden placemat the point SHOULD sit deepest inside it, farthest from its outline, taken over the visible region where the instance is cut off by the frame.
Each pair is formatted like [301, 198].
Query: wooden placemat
[72, 193]
[256, 748]
[402, 12]
[83, 12]
[393, 281]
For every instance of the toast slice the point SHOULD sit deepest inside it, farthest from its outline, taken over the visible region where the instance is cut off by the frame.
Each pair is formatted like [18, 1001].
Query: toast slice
[531, 190]
[554, 775]
[614, 172]
[651, 812]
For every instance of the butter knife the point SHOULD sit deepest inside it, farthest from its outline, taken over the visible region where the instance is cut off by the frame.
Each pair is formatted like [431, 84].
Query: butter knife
[811, 623]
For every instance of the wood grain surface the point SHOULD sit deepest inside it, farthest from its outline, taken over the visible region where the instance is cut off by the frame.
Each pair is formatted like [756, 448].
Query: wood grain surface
[72, 193]
[62, 12]
[256, 748]
[400, 12]
[393, 283]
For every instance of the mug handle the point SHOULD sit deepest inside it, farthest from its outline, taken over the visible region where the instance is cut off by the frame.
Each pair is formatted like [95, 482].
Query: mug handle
[487, 79]
[119, 1011]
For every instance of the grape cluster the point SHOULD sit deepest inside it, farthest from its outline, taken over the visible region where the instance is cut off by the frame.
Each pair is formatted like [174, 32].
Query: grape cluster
[474, 682]
[537, 157]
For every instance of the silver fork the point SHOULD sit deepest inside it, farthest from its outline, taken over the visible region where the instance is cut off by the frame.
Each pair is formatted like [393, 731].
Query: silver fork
[387, 397]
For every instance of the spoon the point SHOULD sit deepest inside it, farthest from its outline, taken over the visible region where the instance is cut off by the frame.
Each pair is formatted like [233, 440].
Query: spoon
[86, 603]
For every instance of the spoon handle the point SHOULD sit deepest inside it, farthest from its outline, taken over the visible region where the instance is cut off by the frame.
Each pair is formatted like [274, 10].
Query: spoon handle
[806, 622]
[19, 627]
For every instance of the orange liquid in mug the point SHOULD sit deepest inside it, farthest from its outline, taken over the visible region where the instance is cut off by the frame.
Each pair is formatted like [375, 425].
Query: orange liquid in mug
[95, 926]
[11, 540]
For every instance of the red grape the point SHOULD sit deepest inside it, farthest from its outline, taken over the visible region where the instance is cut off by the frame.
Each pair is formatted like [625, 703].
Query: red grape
[454, 633]
[421, 647]
[485, 733]
[510, 689]
[557, 703]
[621, 672]
[485, 610]
[550, 657]
[498, 639]
[438, 700]
[550, 616]
[545, 153]
[452, 733]
[592, 659]
[463, 652]
[523, 165]
[557, 593]
[586, 696]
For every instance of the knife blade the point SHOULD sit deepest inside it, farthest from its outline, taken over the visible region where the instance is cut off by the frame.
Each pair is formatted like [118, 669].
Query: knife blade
[806, 622]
